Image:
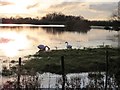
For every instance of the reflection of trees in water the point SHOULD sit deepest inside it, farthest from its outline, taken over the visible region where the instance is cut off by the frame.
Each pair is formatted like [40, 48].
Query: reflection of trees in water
[11, 27]
[97, 81]
[14, 27]
[60, 30]
[54, 30]
[83, 31]
[94, 81]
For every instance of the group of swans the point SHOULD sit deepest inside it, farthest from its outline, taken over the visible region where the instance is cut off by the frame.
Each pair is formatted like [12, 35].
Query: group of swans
[46, 48]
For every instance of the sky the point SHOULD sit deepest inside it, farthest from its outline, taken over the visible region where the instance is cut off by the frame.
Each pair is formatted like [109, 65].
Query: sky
[89, 9]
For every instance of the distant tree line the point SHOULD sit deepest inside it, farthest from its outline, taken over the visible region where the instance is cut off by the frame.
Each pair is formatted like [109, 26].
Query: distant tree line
[71, 22]
[104, 23]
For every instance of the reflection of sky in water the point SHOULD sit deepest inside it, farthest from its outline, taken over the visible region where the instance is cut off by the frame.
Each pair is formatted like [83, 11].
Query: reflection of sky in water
[24, 41]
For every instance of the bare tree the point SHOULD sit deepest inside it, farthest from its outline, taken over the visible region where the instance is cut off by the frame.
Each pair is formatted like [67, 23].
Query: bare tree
[116, 14]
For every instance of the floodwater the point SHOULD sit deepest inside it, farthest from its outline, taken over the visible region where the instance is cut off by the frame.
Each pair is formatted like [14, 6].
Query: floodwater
[21, 40]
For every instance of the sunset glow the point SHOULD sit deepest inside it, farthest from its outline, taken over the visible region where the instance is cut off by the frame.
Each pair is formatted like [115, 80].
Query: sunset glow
[90, 9]
[17, 6]
[11, 43]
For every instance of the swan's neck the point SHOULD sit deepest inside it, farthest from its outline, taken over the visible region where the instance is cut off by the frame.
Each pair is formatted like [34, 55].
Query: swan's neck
[46, 47]
[67, 43]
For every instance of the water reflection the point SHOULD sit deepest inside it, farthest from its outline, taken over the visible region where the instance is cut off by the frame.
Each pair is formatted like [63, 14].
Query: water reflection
[51, 30]
[60, 30]
[55, 30]
[21, 41]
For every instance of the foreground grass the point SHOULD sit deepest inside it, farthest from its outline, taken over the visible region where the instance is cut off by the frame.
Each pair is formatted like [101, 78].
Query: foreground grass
[76, 60]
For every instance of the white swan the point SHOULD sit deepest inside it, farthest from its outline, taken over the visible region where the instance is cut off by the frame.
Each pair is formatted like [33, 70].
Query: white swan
[68, 46]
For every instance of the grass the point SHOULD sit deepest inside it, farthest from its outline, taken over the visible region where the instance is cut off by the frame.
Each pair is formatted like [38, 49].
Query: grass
[76, 60]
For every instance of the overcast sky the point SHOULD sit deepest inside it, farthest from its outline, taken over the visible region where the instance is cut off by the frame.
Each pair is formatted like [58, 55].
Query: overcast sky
[89, 9]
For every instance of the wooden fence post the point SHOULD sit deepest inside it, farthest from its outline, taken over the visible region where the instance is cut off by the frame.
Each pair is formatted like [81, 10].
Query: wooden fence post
[19, 74]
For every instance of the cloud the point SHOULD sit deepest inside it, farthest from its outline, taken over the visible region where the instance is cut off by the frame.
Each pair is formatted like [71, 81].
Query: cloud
[33, 6]
[89, 10]
[40, 7]
[101, 1]
[2, 3]
[64, 4]
[110, 6]
[68, 7]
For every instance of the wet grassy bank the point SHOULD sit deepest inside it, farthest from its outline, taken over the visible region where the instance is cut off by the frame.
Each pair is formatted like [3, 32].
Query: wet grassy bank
[76, 60]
